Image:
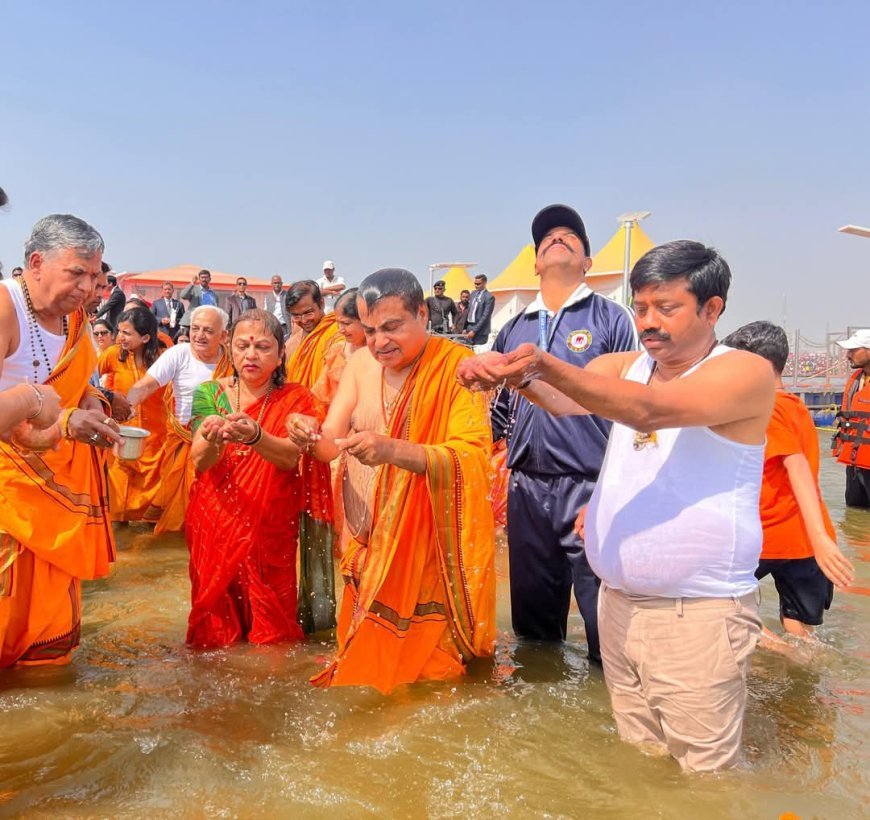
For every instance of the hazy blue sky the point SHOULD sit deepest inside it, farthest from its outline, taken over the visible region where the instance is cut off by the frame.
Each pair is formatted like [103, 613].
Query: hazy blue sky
[265, 137]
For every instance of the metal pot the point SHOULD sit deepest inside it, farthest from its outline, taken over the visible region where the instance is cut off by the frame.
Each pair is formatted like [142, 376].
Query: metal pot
[134, 443]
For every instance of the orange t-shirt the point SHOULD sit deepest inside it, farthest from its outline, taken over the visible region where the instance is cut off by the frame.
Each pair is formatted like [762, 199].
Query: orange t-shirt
[790, 432]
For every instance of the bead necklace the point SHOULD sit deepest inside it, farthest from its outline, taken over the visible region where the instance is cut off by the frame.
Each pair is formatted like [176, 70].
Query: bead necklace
[241, 448]
[35, 332]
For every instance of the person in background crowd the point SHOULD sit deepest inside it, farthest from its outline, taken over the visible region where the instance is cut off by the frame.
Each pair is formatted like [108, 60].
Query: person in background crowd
[135, 483]
[852, 439]
[442, 310]
[330, 286]
[239, 302]
[104, 335]
[113, 307]
[478, 320]
[169, 311]
[198, 292]
[314, 333]
[274, 303]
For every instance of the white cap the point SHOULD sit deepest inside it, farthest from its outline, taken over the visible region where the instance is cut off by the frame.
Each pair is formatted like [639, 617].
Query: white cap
[860, 338]
[329, 265]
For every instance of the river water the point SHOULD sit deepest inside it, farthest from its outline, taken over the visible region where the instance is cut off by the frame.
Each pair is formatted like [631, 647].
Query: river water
[140, 726]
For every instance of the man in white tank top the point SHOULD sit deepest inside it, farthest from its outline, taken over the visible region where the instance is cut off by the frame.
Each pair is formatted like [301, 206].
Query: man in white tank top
[673, 526]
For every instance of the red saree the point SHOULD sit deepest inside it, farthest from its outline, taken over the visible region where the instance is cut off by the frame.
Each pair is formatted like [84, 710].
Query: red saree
[242, 528]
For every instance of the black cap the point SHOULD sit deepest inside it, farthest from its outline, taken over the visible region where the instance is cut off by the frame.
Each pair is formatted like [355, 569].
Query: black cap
[558, 216]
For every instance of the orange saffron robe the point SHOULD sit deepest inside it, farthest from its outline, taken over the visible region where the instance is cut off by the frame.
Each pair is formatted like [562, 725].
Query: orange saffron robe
[176, 469]
[133, 484]
[419, 599]
[54, 526]
[307, 362]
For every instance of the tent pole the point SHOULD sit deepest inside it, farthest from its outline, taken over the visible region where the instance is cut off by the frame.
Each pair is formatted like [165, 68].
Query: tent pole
[628, 225]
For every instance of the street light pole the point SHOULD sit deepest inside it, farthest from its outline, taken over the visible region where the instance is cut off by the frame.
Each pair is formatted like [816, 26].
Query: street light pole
[629, 220]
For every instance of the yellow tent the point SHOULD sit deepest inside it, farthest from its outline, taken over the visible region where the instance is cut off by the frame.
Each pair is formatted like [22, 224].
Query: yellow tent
[605, 275]
[518, 275]
[456, 279]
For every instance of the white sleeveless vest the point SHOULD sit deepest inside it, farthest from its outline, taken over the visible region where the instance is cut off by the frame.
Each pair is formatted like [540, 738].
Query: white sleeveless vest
[677, 517]
[18, 368]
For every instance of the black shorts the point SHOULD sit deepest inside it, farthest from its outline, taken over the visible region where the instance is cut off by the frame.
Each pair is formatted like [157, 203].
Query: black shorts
[804, 590]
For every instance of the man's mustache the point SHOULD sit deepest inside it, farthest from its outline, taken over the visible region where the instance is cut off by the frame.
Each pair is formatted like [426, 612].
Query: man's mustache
[655, 335]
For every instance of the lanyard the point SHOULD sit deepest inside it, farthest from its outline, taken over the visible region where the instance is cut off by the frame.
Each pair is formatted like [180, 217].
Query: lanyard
[543, 330]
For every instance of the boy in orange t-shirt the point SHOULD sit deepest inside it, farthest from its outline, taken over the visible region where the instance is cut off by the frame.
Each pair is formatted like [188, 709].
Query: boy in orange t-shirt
[800, 549]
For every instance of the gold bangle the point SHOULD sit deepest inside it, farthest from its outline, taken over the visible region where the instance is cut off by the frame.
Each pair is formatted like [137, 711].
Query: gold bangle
[64, 421]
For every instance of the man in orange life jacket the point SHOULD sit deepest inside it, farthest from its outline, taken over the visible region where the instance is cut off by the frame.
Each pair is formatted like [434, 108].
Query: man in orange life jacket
[852, 440]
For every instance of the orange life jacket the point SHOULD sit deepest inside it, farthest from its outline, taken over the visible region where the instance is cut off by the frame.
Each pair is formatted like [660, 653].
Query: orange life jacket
[851, 442]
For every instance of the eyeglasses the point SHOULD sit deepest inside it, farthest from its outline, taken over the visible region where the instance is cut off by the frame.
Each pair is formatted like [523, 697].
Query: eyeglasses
[241, 284]
[101, 333]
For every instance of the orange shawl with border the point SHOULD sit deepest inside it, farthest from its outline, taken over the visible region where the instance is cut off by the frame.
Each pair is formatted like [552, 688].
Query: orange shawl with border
[420, 597]
[306, 363]
[55, 524]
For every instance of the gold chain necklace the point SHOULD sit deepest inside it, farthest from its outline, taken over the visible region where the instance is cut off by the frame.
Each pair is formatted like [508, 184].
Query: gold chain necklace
[246, 449]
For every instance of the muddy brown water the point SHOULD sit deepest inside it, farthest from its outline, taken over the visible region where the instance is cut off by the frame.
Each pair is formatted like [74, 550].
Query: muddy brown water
[140, 726]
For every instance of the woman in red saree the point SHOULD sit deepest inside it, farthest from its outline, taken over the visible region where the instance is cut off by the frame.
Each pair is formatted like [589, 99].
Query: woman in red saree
[133, 484]
[245, 506]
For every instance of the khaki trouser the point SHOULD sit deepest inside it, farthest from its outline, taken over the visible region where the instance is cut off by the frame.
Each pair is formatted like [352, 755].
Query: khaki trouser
[676, 672]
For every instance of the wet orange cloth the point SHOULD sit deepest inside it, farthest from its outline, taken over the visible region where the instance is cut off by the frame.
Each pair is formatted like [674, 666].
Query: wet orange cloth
[307, 362]
[54, 529]
[419, 599]
[133, 484]
[176, 469]
[789, 432]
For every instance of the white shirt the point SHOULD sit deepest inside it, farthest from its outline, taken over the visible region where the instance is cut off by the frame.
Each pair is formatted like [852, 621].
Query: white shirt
[677, 516]
[179, 366]
[329, 298]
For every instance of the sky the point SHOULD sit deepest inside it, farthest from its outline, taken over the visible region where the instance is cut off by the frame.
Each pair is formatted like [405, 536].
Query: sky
[266, 137]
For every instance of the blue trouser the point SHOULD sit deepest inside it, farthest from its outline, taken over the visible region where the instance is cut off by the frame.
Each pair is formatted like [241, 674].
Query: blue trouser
[547, 557]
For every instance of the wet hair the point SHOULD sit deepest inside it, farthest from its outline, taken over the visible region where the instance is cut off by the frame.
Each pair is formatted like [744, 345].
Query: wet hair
[764, 339]
[144, 323]
[62, 232]
[299, 290]
[392, 282]
[106, 324]
[222, 314]
[346, 303]
[271, 325]
[707, 272]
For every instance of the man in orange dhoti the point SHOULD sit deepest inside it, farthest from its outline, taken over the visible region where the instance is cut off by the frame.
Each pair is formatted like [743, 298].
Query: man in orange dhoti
[54, 527]
[185, 367]
[419, 599]
[307, 350]
[313, 335]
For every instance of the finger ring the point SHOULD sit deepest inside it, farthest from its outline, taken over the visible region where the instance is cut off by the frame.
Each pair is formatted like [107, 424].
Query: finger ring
[95, 437]
[107, 420]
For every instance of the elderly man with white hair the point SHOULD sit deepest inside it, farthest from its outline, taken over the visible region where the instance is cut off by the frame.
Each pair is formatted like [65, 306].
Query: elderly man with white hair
[185, 367]
[54, 531]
